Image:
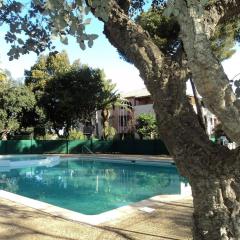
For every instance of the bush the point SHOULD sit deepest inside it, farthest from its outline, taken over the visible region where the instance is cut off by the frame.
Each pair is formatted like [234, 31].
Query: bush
[47, 136]
[110, 132]
[75, 135]
[146, 126]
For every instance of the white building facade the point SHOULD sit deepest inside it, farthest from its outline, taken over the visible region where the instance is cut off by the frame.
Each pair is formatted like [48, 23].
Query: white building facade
[124, 119]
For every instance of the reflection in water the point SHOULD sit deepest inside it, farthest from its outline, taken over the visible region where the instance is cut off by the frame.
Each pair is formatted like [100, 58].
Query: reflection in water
[92, 187]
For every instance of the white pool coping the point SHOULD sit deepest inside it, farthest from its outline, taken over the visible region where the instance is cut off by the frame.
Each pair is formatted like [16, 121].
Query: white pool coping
[146, 206]
[127, 159]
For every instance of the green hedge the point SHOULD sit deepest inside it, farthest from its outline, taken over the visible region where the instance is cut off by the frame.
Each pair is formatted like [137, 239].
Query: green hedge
[150, 147]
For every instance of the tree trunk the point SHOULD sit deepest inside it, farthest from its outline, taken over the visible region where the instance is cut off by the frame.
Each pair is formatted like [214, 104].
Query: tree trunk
[4, 135]
[211, 169]
[216, 208]
[208, 74]
[105, 113]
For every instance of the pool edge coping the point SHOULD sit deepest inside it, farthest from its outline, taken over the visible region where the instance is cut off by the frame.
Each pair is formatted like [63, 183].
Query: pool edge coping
[111, 215]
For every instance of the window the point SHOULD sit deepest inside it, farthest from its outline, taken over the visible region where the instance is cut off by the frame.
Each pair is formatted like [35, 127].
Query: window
[123, 121]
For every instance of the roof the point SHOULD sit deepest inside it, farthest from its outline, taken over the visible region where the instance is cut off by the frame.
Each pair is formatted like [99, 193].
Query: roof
[145, 93]
[136, 93]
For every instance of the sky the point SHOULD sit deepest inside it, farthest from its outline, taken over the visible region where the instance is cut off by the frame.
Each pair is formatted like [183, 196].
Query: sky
[232, 65]
[102, 55]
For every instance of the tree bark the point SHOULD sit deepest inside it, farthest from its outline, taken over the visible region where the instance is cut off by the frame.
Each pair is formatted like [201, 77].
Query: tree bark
[211, 81]
[216, 208]
[105, 113]
[211, 169]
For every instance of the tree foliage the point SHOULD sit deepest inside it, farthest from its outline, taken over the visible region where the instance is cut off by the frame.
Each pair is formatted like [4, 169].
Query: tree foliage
[165, 33]
[68, 93]
[41, 21]
[40, 74]
[72, 97]
[16, 101]
[224, 40]
[75, 135]
[111, 99]
[37, 79]
[163, 30]
[46, 68]
[146, 126]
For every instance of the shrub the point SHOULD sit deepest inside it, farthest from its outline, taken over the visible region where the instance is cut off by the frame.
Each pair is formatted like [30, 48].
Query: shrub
[75, 135]
[110, 132]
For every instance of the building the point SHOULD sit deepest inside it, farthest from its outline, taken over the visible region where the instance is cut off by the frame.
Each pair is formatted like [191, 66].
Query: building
[123, 119]
[210, 120]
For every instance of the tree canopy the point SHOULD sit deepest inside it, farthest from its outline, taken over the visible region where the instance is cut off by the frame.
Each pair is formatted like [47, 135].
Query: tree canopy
[46, 68]
[16, 100]
[165, 32]
[41, 73]
[68, 93]
[73, 97]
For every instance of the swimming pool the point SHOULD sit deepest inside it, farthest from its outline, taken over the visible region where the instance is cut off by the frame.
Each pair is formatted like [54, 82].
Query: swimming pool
[90, 186]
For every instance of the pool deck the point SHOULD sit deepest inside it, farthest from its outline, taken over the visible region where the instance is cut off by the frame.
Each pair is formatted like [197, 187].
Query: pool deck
[170, 220]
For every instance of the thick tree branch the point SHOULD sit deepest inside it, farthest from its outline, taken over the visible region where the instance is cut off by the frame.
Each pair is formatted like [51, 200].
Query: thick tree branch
[208, 74]
[227, 10]
[125, 5]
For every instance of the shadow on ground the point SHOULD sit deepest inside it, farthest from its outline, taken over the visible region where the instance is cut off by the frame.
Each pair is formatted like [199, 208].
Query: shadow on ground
[169, 221]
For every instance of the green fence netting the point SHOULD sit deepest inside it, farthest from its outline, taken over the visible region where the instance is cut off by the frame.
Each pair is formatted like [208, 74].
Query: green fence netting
[150, 147]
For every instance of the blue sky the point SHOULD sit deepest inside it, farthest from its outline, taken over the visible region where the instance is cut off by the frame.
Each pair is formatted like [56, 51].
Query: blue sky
[102, 55]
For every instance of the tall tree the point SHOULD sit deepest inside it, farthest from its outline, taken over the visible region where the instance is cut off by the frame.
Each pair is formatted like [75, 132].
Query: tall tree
[69, 93]
[73, 97]
[38, 77]
[46, 68]
[110, 99]
[212, 170]
[15, 101]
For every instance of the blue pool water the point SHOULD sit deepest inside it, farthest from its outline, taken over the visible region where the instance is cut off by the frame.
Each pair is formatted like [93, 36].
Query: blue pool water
[91, 187]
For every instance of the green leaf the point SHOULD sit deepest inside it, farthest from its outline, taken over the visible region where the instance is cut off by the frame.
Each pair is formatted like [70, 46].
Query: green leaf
[93, 36]
[20, 41]
[90, 43]
[64, 39]
[82, 45]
